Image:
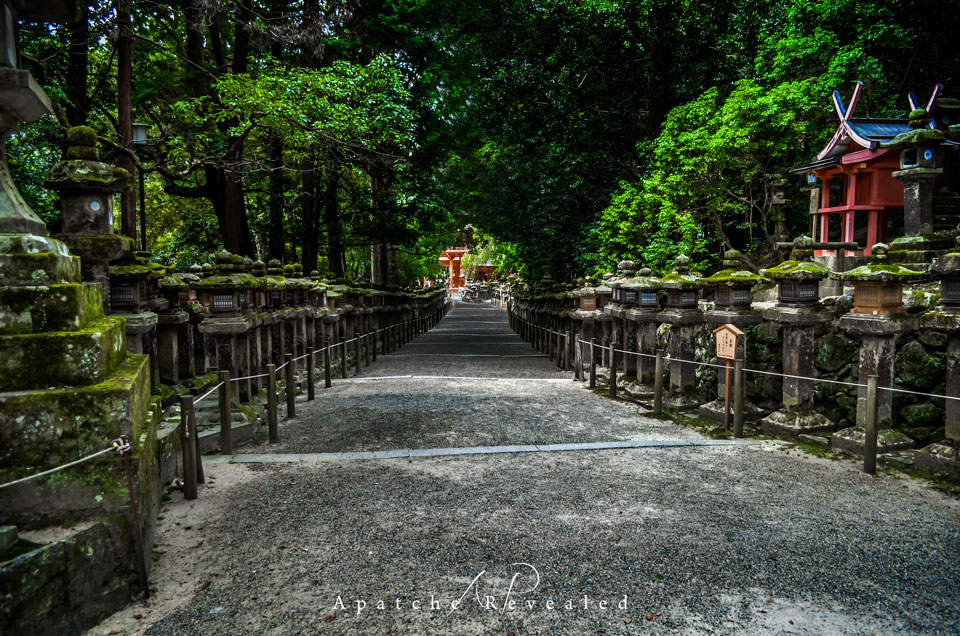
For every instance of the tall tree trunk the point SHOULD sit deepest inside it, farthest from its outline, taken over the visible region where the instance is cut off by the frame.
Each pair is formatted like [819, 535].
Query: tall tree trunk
[331, 219]
[275, 219]
[128, 201]
[236, 230]
[77, 100]
[309, 236]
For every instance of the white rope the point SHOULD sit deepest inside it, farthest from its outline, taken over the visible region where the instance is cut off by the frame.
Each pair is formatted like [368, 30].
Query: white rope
[933, 395]
[249, 377]
[115, 445]
[197, 401]
[281, 366]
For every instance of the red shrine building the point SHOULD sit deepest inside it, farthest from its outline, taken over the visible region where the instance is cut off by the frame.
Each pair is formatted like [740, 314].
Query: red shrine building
[860, 201]
[451, 260]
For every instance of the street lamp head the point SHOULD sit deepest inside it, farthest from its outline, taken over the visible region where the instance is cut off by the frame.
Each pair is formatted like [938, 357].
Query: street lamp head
[140, 134]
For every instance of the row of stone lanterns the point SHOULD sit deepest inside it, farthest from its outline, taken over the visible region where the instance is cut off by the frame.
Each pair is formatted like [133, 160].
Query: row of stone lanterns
[628, 308]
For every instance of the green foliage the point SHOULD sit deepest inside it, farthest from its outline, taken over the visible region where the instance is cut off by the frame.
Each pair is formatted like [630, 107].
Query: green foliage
[710, 177]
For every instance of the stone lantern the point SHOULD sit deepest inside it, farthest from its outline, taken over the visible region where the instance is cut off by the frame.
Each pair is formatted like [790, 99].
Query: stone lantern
[733, 285]
[877, 301]
[683, 287]
[220, 294]
[798, 310]
[733, 290]
[642, 315]
[278, 293]
[586, 298]
[86, 187]
[683, 316]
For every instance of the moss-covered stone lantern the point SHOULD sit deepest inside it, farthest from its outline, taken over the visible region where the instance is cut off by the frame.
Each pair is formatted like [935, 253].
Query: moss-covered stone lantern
[278, 290]
[191, 278]
[220, 294]
[259, 271]
[586, 297]
[733, 285]
[878, 286]
[682, 285]
[643, 289]
[798, 282]
[86, 187]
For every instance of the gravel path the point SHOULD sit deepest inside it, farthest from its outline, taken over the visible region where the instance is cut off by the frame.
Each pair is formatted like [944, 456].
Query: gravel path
[750, 539]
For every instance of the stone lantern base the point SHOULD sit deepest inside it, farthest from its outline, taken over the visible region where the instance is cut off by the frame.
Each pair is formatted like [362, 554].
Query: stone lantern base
[942, 456]
[792, 423]
[888, 440]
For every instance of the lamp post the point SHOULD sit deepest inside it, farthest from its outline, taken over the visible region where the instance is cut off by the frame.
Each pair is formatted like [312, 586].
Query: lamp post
[140, 144]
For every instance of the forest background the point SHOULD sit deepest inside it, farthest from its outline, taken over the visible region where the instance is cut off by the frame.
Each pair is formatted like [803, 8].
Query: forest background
[362, 137]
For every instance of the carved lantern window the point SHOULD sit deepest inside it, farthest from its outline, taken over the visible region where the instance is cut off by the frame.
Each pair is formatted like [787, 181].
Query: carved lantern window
[128, 296]
[950, 291]
[682, 298]
[880, 298]
[588, 303]
[650, 298]
[798, 293]
[732, 297]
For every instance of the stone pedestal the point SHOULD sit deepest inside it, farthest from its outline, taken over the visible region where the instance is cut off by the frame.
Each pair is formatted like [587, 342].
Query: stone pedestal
[716, 409]
[945, 456]
[683, 375]
[877, 355]
[169, 330]
[797, 415]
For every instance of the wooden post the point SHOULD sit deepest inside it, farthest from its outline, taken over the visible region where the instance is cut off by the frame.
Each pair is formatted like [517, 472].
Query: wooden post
[291, 389]
[870, 428]
[726, 396]
[375, 336]
[327, 380]
[343, 358]
[549, 335]
[568, 350]
[226, 423]
[593, 363]
[366, 353]
[356, 353]
[738, 388]
[272, 428]
[559, 349]
[311, 370]
[658, 384]
[614, 363]
[189, 448]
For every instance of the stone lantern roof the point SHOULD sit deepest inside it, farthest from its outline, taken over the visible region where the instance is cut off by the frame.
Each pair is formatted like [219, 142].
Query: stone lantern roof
[81, 168]
[681, 277]
[644, 280]
[226, 277]
[734, 272]
[879, 269]
[587, 289]
[796, 270]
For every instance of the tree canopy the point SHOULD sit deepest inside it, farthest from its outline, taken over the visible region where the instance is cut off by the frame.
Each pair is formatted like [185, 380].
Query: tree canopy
[360, 137]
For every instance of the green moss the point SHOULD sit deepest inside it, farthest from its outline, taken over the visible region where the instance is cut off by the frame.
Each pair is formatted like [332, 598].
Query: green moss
[22, 546]
[796, 270]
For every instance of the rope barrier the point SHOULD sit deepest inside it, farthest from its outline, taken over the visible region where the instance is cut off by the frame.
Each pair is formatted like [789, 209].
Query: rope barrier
[119, 445]
[249, 377]
[199, 399]
[933, 395]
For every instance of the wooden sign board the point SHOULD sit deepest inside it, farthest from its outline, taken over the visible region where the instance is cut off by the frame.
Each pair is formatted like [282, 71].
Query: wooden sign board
[727, 338]
[588, 303]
